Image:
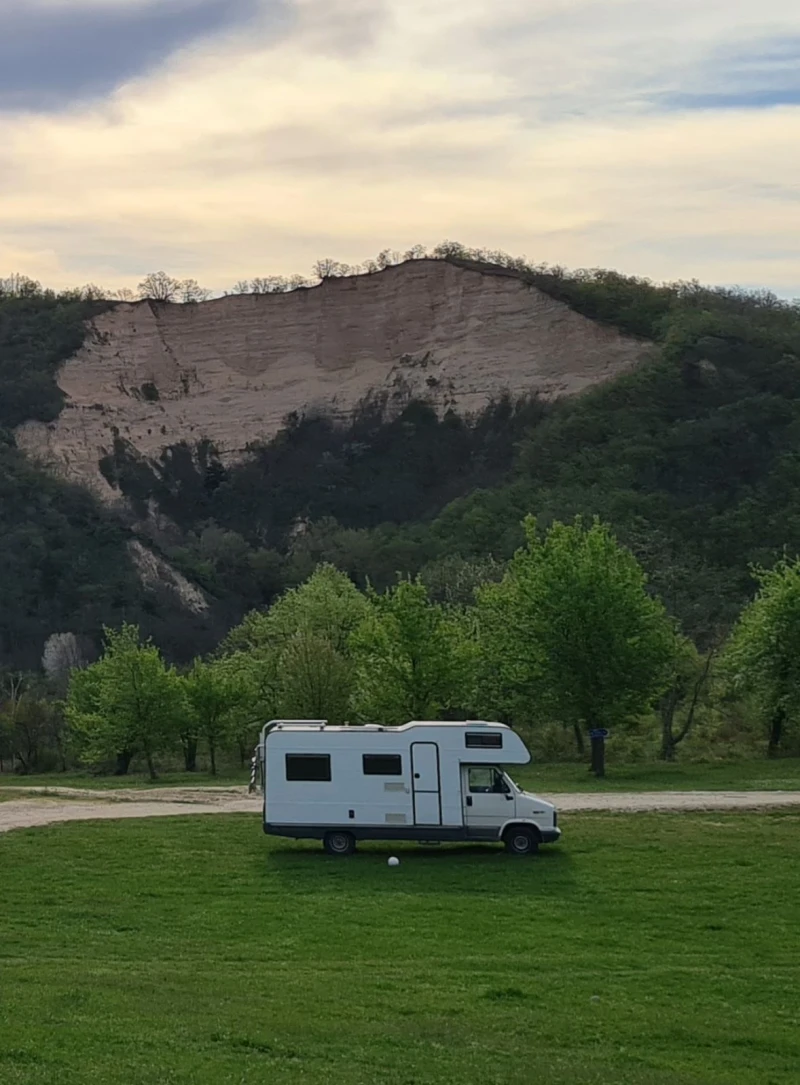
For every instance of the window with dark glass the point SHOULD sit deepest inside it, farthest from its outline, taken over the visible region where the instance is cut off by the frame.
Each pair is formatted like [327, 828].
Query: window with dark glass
[487, 781]
[484, 740]
[308, 766]
[383, 764]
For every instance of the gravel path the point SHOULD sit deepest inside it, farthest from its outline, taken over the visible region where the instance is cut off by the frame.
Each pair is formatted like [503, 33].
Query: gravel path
[44, 806]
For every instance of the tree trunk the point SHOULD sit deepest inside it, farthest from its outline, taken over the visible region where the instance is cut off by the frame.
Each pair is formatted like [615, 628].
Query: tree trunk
[598, 757]
[212, 751]
[62, 753]
[776, 731]
[242, 753]
[124, 758]
[150, 766]
[190, 754]
[577, 731]
[668, 705]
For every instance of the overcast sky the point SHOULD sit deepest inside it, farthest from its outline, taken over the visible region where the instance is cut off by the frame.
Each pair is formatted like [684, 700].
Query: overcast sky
[224, 139]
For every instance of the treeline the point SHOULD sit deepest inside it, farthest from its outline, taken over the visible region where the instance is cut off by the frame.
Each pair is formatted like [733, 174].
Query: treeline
[564, 639]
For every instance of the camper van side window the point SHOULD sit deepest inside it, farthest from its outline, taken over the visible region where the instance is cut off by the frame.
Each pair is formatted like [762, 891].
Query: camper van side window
[308, 766]
[383, 764]
[487, 740]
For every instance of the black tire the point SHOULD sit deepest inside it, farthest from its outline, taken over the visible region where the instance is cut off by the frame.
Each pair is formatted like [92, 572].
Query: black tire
[521, 840]
[339, 843]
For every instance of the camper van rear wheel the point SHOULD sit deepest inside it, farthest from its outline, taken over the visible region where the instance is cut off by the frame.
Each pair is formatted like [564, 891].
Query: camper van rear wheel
[339, 843]
[520, 840]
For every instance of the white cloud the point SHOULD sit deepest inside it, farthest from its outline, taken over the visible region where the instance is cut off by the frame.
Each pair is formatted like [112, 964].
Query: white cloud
[526, 125]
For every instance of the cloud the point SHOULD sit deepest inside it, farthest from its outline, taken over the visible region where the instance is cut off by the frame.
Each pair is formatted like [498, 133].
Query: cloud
[53, 53]
[586, 133]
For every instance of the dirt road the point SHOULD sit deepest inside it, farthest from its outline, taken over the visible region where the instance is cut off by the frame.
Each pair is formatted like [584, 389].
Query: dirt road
[40, 806]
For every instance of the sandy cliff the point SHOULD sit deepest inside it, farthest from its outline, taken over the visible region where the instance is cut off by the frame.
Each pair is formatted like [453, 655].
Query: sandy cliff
[230, 370]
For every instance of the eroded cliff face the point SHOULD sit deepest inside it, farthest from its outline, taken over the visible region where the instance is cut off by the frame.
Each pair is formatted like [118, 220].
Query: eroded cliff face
[231, 370]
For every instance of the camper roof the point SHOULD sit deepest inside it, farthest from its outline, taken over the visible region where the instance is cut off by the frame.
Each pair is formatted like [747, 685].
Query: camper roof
[319, 725]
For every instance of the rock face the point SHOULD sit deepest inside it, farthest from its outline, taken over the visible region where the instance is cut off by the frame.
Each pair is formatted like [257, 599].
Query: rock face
[232, 369]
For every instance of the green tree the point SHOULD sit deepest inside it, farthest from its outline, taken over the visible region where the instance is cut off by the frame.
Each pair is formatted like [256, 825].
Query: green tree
[295, 657]
[763, 654]
[571, 632]
[327, 605]
[678, 706]
[128, 702]
[213, 697]
[413, 657]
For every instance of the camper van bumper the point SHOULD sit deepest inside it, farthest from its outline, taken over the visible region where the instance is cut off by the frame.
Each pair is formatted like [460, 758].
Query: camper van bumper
[437, 833]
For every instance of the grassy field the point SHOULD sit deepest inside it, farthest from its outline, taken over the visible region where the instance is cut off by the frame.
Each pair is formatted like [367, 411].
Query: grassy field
[646, 950]
[138, 780]
[782, 774]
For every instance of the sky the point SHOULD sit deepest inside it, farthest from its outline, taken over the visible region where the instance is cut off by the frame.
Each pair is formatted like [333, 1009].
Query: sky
[227, 139]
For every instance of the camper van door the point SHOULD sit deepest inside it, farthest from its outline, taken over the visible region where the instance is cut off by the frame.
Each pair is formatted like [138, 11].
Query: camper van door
[426, 783]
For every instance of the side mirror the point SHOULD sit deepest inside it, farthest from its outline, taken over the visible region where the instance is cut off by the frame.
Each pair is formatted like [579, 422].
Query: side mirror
[509, 797]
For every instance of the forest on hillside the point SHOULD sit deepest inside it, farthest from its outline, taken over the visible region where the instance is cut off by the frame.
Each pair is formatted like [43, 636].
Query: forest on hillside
[693, 460]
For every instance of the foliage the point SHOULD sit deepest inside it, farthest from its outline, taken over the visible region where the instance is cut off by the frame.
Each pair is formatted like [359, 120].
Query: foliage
[296, 654]
[455, 580]
[571, 634]
[316, 680]
[687, 690]
[31, 725]
[158, 286]
[413, 657]
[63, 562]
[127, 701]
[38, 331]
[214, 699]
[763, 655]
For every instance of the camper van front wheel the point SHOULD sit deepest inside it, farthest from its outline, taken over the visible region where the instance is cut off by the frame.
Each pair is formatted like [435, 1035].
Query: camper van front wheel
[339, 843]
[520, 840]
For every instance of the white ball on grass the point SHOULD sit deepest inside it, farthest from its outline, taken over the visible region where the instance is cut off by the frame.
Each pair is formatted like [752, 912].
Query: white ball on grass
[394, 861]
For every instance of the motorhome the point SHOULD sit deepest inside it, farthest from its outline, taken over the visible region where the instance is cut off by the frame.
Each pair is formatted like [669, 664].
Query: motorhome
[425, 781]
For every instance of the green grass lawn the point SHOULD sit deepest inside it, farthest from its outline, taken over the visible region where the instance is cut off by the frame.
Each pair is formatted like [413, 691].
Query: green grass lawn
[137, 779]
[643, 950]
[782, 774]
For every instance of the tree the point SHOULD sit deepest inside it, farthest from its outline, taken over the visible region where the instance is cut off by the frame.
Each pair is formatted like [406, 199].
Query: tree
[302, 645]
[30, 723]
[129, 701]
[572, 633]
[328, 605]
[763, 653]
[255, 674]
[455, 580]
[316, 680]
[190, 291]
[331, 269]
[62, 655]
[20, 286]
[158, 286]
[690, 675]
[413, 657]
[213, 696]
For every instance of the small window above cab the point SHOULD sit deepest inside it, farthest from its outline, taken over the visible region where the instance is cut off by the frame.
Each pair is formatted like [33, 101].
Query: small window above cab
[483, 740]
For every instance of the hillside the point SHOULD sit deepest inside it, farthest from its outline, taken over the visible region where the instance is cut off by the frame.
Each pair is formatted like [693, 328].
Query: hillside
[230, 371]
[691, 449]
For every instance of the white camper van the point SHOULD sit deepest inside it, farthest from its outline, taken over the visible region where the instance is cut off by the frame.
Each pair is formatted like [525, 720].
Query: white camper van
[430, 782]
